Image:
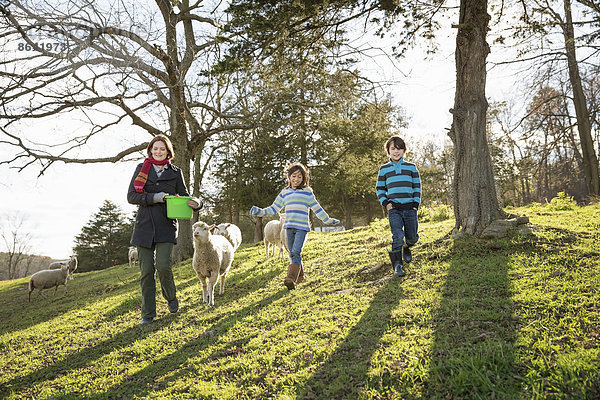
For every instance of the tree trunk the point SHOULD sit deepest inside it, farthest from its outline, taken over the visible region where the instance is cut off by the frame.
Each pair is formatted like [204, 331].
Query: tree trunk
[475, 200]
[258, 230]
[236, 216]
[590, 160]
[349, 206]
[369, 211]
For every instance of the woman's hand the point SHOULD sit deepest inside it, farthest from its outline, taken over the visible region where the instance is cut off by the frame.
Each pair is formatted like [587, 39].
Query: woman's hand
[195, 204]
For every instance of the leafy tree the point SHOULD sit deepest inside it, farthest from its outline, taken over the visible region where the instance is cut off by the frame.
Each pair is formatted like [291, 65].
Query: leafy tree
[276, 25]
[104, 240]
[349, 152]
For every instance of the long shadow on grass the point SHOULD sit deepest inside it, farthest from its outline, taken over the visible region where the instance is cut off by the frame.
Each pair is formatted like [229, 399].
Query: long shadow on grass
[473, 353]
[144, 381]
[74, 361]
[122, 340]
[345, 371]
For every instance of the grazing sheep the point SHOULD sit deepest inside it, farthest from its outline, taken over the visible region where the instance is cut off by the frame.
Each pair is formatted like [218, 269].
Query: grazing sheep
[231, 232]
[71, 263]
[133, 256]
[272, 238]
[48, 278]
[213, 255]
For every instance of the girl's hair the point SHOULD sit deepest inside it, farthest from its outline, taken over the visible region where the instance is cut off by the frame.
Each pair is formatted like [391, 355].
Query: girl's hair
[397, 141]
[296, 166]
[166, 141]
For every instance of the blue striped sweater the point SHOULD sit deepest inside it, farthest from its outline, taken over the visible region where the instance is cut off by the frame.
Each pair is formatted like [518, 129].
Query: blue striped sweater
[297, 203]
[399, 183]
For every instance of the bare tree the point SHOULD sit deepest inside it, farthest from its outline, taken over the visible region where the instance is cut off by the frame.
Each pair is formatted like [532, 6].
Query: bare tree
[541, 19]
[114, 64]
[16, 243]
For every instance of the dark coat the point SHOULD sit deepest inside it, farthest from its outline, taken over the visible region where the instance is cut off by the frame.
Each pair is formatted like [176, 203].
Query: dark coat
[151, 224]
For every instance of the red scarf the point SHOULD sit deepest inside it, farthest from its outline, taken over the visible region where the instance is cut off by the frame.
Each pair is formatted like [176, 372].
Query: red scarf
[142, 177]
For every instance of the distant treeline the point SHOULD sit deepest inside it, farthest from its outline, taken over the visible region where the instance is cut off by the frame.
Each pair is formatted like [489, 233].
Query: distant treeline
[26, 266]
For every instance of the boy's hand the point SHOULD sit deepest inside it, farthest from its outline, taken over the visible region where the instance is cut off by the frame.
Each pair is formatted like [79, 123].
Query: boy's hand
[389, 206]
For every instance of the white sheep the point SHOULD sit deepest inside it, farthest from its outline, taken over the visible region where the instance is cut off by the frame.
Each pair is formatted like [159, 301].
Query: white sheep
[48, 278]
[283, 238]
[231, 232]
[71, 263]
[213, 255]
[272, 238]
[133, 256]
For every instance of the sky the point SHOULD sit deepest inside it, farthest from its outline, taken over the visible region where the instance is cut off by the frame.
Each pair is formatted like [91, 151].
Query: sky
[56, 205]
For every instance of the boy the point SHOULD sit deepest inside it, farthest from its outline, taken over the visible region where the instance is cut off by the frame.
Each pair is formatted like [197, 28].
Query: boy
[399, 192]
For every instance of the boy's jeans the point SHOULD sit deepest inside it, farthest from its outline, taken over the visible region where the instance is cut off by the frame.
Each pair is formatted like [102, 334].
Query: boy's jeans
[404, 225]
[295, 239]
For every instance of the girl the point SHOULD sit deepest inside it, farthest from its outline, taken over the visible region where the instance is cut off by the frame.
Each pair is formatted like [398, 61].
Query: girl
[154, 234]
[298, 199]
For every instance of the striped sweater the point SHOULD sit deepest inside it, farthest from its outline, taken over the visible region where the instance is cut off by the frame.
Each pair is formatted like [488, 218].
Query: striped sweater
[399, 183]
[297, 203]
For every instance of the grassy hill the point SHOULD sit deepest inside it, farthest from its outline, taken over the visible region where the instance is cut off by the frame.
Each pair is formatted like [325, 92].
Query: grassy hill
[506, 319]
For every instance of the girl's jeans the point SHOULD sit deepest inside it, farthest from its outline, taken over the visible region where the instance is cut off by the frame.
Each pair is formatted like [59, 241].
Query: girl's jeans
[161, 264]
[295, 242]
[404, 225]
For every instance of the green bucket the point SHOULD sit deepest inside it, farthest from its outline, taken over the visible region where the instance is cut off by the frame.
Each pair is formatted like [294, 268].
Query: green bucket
[177, 207]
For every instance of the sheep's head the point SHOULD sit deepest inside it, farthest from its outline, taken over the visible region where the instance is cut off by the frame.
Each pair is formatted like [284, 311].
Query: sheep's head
[221, 229]
[201, 231]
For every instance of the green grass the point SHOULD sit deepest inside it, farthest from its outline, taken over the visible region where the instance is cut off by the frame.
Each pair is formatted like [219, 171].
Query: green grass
[516, 318]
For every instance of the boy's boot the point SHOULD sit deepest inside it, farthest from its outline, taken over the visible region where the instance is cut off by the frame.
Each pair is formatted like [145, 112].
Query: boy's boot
[292, 276]
[396, 258]
[406, 254]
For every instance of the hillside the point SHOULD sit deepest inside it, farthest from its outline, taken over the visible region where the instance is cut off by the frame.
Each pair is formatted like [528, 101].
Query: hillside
[514, 318]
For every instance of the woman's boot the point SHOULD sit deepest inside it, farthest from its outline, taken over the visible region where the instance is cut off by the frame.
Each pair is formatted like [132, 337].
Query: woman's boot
[292, 276]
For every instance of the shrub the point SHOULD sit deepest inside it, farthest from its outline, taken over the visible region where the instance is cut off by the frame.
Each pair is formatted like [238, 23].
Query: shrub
[442, 213]
[562, 202]
[435, 213]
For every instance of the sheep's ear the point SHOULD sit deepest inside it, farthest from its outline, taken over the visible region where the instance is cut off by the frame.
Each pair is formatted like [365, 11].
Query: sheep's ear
[211, 227]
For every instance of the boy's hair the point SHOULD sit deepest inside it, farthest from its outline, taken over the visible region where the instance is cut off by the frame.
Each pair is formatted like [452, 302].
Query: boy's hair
[397, 141]
[166, 141]
[296, 166]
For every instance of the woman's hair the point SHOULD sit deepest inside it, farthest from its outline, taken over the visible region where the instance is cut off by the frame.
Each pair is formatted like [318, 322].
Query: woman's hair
[397, 141]
[296, 166]
[166, 141]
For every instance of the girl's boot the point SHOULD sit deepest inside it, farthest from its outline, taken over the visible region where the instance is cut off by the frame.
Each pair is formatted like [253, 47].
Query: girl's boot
[300, 275]
[292, 276]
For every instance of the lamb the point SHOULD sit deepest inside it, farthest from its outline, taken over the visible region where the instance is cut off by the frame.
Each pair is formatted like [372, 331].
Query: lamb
[48, 278]
[71, 263]
[133, 256]
[213, 255]
[273, 237]
[231, 232]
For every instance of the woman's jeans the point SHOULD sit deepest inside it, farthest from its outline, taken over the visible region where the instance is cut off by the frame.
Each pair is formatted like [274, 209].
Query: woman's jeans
[295, 242]
[404, 225]
[162, 265]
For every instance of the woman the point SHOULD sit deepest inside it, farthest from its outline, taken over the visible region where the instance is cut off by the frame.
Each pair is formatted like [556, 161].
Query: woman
[154, 234]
